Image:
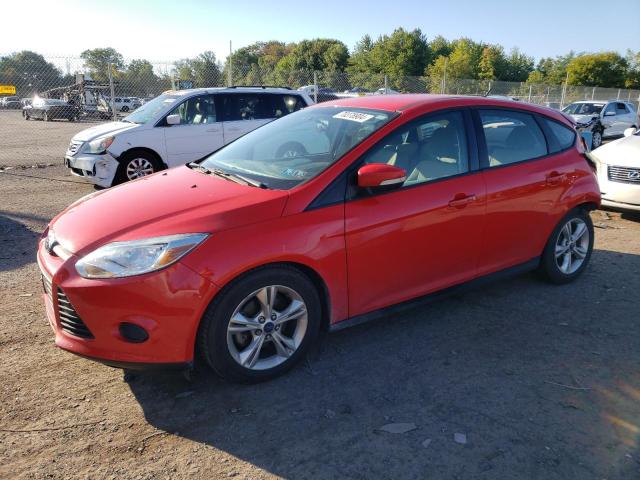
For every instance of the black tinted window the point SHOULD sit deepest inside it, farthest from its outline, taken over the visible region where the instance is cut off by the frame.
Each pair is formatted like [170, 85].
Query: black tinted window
[621, 108]
[511, 137]
[564, 136]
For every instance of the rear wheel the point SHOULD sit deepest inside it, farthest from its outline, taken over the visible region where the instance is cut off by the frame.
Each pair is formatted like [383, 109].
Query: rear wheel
[261, 325]
[569, 248]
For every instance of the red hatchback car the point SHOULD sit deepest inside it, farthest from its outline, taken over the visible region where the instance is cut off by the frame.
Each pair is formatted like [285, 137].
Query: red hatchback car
[322, 219]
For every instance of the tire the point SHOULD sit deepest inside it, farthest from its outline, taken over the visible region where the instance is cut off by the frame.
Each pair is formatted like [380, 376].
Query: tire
[596, 139]
[224, 350]
[290, 150]
[136, 164]
[565, 267]
[27, 117]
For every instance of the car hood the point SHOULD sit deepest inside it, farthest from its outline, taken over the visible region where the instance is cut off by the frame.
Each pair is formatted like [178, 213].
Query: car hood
[582, 118]
[169, 202]
[624, 152]
[103, 129]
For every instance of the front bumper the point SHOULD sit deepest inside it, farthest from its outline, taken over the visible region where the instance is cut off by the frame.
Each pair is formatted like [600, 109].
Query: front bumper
[168, 304]
[97, 169]
[616, 194]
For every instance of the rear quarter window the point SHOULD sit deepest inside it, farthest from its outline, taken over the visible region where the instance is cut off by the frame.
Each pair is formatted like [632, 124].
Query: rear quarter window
[564, 136]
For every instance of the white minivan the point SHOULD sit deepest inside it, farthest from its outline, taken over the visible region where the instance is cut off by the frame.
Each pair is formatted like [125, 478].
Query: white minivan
[175, 128]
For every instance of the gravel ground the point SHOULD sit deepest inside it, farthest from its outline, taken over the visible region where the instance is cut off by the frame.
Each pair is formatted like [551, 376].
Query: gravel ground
[519, 379]
[26, 143]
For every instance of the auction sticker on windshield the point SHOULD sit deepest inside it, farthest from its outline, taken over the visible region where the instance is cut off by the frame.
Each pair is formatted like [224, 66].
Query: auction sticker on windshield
[353, 116]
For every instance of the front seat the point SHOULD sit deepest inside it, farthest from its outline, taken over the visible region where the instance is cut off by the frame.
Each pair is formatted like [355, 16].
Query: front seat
[439, 157]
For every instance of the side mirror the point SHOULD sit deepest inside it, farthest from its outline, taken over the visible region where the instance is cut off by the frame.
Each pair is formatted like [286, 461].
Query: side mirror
[375, 175]
[609, 114]
[173, 119]
[629, 131]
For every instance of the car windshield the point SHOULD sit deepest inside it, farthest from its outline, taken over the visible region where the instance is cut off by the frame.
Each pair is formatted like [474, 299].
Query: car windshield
[584, 108]
[148, 112]
[296, 148]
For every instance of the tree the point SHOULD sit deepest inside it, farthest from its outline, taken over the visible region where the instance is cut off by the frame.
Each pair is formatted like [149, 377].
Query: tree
[632, 79]
[204, 70]
[492, 63]
[140, 79]
[97, 61]
[517, 67]
[316, 55]
[29, 72]
[606, 69]
[554, 70]
[462, 63]
[257, 60]
[440, 47]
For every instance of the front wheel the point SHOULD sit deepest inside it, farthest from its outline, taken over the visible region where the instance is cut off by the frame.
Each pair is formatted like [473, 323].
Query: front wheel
[596, 139]
[134, 165]
[569, 248]
[261, 325]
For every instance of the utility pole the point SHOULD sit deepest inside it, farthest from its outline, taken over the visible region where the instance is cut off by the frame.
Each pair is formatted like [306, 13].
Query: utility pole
[113, 93]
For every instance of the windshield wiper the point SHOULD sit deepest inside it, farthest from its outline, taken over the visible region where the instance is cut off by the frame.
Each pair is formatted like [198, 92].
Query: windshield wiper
[233, 177]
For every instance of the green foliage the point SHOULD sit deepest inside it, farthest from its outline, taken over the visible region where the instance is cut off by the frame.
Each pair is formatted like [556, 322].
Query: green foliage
[204, 70]
[29, 72]
[320, 54]
[97, 61]
[598, 69]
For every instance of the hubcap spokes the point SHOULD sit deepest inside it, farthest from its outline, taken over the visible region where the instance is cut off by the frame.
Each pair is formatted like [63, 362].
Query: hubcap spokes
[572, 246]
[267, 327]
[139, 167]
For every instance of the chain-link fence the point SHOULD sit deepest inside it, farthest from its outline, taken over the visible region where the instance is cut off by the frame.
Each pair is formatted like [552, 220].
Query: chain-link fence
[103, 91]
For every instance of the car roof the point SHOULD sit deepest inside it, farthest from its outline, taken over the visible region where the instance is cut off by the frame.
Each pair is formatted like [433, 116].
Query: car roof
[192, 91]
[425, 102]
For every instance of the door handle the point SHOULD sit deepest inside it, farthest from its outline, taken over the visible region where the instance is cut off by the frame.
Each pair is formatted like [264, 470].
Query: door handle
[212, 130]
[554, 178]
[234, 129]
[461, 201]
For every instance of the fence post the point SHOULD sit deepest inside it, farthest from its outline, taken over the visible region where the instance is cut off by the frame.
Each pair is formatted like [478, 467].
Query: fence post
[593, 93]
[444, 77]
[386, 85]
[618, 97]
[315, 86]
[530, 87]
[230, 72]
[113, 93]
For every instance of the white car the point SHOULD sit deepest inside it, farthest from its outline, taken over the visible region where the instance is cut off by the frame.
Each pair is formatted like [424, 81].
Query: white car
[618, 165]
[174, 129]
[603, 119]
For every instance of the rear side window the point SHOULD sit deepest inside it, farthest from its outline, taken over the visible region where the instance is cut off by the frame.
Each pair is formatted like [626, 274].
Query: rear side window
[564, 136]
[511, 137]
[621, 109]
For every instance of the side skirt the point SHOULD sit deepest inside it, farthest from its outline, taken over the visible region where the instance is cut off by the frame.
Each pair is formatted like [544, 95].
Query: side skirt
[431, 297]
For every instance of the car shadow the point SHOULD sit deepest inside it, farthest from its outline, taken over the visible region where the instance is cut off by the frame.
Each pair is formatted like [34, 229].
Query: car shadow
[519, 367]
[18, 243]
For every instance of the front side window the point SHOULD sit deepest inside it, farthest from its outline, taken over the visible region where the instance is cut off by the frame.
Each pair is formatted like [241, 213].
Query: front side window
[511, 137]
[427, 149]
[296, 148]
[611, 108]
[196, 110]
[151, 110]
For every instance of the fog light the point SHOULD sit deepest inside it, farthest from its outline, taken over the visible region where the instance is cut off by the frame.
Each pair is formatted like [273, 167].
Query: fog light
[133, 333]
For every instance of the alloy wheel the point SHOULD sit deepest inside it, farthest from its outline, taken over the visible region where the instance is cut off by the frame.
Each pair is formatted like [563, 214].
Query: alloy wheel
[139, 167]
[596, 140]
[572, 246]
[267, 327]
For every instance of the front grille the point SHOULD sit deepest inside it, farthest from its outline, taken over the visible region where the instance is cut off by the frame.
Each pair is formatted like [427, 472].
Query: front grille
[46, 284]
[624, 174]
[69, 319]
[74, 146]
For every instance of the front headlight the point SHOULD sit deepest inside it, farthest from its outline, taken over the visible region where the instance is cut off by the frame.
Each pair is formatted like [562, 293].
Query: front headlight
[124, 259]
[99, 145]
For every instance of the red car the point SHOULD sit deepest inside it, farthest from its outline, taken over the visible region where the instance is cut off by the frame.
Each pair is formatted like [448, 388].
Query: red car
[327, 217]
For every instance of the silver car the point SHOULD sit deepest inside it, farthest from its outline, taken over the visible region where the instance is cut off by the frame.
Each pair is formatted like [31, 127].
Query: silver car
[602, 118]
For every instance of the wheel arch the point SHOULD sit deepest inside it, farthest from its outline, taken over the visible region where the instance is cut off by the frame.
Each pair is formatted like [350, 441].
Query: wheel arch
[147, 150]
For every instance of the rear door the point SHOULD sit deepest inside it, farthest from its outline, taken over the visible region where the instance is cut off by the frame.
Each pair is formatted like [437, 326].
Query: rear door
[424, 235]
[199, 133]
[525, 175]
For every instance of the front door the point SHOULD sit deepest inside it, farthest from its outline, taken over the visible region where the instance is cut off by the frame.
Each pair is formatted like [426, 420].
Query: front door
[424, 235]
[198, 134]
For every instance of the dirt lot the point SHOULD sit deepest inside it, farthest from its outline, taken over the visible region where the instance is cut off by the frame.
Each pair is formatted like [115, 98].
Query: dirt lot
[26, 143]
[542, 381]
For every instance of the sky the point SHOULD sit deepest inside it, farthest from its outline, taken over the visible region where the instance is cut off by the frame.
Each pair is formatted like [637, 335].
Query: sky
[164, 30]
